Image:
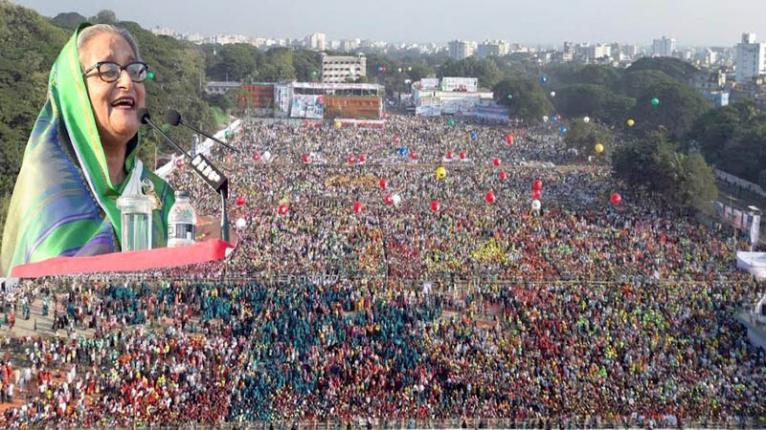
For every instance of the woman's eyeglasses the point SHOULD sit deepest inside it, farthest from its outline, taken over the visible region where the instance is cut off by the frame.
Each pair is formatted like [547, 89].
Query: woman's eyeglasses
[110, 71]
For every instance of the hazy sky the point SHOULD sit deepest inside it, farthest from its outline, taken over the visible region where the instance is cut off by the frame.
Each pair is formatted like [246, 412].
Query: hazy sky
[691, 22]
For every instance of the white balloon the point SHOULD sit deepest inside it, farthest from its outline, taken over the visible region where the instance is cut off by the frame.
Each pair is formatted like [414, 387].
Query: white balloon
[536, 205]
[545, 118]
[553, 93]
[267, 155]
[397, 199]
[586, 119]
[241, 223]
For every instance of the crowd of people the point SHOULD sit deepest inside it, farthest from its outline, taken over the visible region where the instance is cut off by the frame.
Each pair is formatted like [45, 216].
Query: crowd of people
[582, 311]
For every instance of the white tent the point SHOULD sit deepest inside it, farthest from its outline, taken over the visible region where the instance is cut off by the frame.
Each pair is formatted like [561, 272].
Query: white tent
[752, 262]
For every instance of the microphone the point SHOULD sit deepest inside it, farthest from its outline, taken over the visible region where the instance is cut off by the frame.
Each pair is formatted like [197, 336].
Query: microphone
[173, 118]
[206, 170]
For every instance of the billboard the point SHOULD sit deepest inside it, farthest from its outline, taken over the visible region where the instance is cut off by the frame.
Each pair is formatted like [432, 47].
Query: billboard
[307, 106]
[282, 95]
[467, 85]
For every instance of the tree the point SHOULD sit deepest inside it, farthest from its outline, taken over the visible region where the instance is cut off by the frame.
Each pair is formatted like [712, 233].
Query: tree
[105, 16]
[675, 68]
[595, 101]
[696, 185]
[485, 69]
[678, 109]
[232, 62]
[68, 20]
[528, 100]
[584, 137]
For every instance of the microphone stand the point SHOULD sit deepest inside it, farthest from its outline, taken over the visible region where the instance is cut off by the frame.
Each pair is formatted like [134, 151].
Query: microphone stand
[210, 174]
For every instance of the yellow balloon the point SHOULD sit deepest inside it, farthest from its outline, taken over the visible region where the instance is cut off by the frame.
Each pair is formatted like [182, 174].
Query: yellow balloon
[631, 122]
[599, 148]
[441, 172]
[338, 124]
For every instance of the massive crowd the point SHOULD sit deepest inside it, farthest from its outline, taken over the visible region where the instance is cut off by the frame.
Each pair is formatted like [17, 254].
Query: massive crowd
[584, 311]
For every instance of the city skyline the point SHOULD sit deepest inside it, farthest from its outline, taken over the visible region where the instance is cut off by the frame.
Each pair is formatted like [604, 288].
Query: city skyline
[691, 23]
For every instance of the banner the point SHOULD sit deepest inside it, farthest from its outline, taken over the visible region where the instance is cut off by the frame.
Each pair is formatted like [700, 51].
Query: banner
[306, 106]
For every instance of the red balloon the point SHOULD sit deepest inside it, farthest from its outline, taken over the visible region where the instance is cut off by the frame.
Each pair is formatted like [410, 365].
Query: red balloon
[257, 156]
[537, 184]
[351, 159]
[283, 209]
[490, 197]
[509, 139]
[179, 162]
[389, 199]
[362, 158]
[306, 158]
[615, 198]
[357, 207]
[383, 183]
[435, 205]
[496, 162]
[462, 155]
[536, 194]
[413, 155]
[502, 175]
[449, 155]
[240, 201]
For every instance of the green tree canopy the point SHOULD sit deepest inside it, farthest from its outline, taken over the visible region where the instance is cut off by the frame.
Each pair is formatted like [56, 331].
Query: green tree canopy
[528, 100]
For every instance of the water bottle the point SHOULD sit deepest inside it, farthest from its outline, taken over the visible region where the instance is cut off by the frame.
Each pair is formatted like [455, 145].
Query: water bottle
[136, 218]
[182, 221]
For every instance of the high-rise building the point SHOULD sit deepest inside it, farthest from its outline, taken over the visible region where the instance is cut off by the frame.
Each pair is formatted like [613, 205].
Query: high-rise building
[338, 69]
[663, 47]
[750, 58]
[316, 41]
[493, 48]
[460, 49]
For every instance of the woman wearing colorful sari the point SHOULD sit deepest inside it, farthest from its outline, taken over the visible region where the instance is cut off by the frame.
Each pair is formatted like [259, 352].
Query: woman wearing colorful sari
[82, 155]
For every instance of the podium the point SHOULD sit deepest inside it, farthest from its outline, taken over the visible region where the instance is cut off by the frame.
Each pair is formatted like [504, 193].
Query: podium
[130, 261]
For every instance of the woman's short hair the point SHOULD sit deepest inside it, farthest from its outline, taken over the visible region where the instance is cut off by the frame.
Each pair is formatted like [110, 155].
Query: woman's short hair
[94, 30]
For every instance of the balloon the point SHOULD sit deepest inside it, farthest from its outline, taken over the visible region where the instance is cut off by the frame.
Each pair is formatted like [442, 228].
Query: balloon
[267, 155]
[599, 148]
[388, 200]
[536, 194]
[362, 158]
[150, 75]
[283, 209]
[553, 93]
[496, 162]
[397, 199]
[510, 96]
[357, 207]
[179, 162]
[240, 201]
[240, 223]
[536, 205]
[441, 172]
[462, 155]
[545, 118]
[338, 124]
[586, 119]
[502, 175]
[350, 159]
[435, 205]
[655, 102]
[383, 183]
[489, 197]
[509, 139]
[414, 155]
[451, 122]
[537, 185]
[562, 129]
[306, 158]
[257, 156]
[543, 79]
[631, 122]
[474, 135]
[449, 155]
[615, 198]
[403, 151]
